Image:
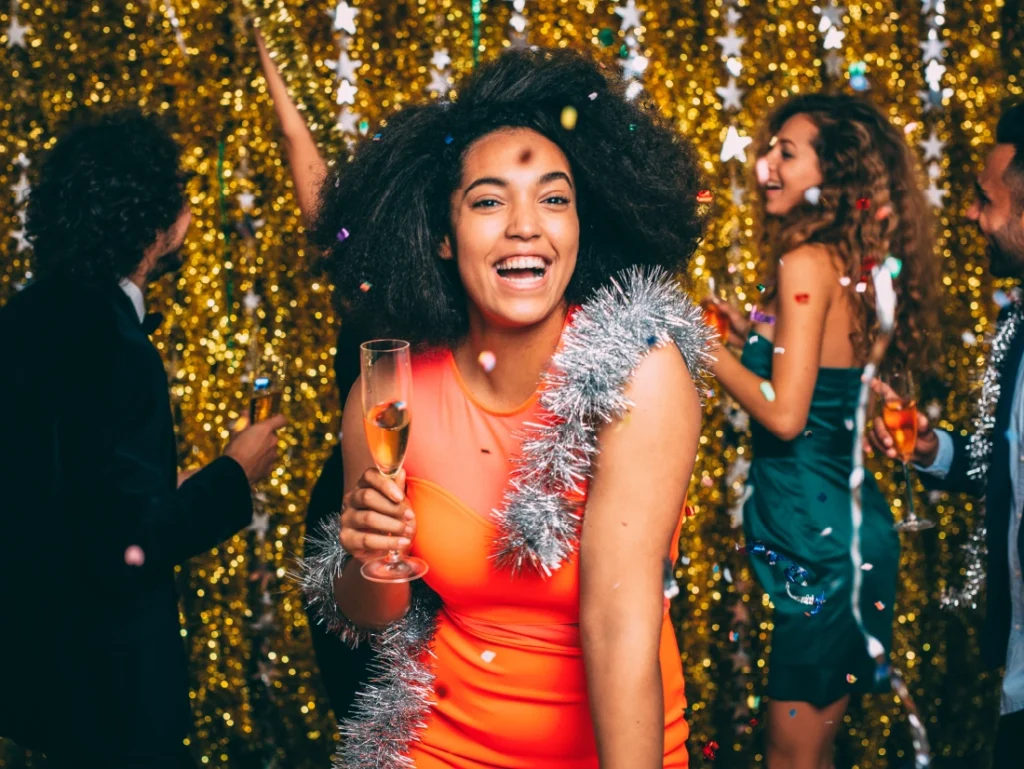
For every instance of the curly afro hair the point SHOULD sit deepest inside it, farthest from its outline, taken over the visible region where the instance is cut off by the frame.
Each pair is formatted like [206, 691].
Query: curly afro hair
[105, 191]
[383, 216]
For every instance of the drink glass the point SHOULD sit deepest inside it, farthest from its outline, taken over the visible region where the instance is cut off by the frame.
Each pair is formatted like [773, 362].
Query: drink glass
[899, 413]
[387, 418]
[265, 396]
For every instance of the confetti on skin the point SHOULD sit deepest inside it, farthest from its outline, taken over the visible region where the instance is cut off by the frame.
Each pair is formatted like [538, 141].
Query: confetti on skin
[779, 350]
[851, 678]
[762, 317]
[845, 280]
[487, 360]
[761, 169]
[569, 117]
[863, 204]
[705, 196]
[343, 235]
[365, 286]
[768, 391]
[802, 298]
[813, 195]
[488, 656]
[792, 712]
[879, 605]
[866, 567]
[134, 556]
[826, 531]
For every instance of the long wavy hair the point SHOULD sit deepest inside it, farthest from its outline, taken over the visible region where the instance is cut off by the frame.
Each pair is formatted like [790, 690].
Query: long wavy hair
[862, 157]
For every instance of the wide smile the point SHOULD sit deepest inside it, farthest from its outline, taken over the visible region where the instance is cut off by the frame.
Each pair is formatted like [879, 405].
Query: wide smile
[772, 188]
[523, 272]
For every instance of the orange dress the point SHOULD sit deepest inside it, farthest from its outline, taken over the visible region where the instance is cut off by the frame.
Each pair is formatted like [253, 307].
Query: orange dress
[509, 683]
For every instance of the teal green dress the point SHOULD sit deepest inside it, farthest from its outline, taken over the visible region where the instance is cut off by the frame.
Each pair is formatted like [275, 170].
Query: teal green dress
[799, 506]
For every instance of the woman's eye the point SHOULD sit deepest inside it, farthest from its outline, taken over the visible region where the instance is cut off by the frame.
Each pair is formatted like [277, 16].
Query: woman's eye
[557, 200]
[485, 203]
[787, 155]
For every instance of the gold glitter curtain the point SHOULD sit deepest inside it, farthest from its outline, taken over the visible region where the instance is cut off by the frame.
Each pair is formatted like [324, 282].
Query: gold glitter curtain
[248, 294]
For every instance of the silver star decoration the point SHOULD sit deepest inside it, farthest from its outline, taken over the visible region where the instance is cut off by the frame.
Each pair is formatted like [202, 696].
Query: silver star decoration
[246, 200]
[21, 189]
[518, 22]
[732, 44]
[740, 660]
[733, 17]
[441, 59]
[833, 14]
[933, 48]
[22, 214]
[740, 614]
[738, 193]
[16, 33]
[730, 94]
[930, 100]
[735, 146]
[346, 93]
[438, 82]
[934, 171]
[933, 146]
[348, 121]
[22, 160]
[345, 67]
[834, 39]
[260, 524]
[630, 15]
[935, 194]
[933, 74]
[345, 18]
[19, 236]
[634, 66]
[251, 300]
[519, 5]
[734, 66]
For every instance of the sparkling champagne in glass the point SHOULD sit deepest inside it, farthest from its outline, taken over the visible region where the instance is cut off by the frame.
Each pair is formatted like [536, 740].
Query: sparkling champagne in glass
[387, 418]
[899, 413]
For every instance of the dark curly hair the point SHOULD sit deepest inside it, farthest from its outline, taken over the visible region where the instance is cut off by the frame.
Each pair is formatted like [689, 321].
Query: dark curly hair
[636, 183]
[862, 156]
[110, 184]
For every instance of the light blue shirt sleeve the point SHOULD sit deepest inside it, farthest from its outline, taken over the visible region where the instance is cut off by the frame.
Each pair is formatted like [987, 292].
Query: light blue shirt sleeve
[943, 459]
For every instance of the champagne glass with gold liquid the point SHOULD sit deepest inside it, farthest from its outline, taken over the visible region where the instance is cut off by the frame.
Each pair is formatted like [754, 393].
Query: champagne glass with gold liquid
[899, 412]
[265, 398]
[387, 390]
[715, 316]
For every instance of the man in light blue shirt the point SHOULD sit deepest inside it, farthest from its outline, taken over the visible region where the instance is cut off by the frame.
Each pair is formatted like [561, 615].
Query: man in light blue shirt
[945, 461]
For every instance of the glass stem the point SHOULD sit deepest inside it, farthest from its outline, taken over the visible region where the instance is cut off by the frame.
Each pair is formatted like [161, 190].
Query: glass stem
[393, 556]
[910, 491]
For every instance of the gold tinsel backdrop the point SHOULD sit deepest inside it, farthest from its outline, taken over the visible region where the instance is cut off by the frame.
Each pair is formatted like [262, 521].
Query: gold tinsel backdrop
[940, 68]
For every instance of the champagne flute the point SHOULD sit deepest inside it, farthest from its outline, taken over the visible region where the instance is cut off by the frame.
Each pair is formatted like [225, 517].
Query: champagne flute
[266, 392]
[899, 412]
[386, 391]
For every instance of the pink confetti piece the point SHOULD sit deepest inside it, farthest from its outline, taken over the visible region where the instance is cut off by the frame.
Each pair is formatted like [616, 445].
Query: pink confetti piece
[879, 605]
[866, 567]
[826, 531]
[707, 481]
[365, 286]
[487, 360]
[134, 556]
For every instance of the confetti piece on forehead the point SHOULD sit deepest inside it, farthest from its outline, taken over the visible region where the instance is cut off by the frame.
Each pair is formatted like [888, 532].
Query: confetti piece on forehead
[134, 556]
[845, 280]
[569, 117]
[487, 360]
[813, 195]
[761, 171]
[773, 141]
[343, 235]
[863, 204]
[826, 531]
[802, 298]
[768, 391]
[705, 196]
[365, 286]
[488, 656]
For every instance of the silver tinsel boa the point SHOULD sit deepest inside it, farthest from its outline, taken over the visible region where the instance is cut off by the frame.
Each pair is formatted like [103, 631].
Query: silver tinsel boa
[979, 451]
[583, 390]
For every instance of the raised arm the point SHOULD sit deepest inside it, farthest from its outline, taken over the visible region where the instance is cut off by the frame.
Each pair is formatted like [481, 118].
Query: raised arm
[805, 290]
[633, 509]
[308, 167]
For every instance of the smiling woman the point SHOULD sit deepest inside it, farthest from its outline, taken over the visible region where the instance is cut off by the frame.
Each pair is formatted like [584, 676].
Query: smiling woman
[527, 261]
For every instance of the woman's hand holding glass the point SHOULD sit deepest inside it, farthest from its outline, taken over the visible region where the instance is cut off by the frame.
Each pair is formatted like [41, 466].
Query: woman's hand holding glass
[728, 322]
[376, 517]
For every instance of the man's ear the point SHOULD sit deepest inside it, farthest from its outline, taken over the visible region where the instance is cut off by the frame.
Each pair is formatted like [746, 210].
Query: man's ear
[445, 252]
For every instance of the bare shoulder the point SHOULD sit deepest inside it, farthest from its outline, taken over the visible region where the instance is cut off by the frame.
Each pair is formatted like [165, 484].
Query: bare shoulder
[811, 261]
[661, 379]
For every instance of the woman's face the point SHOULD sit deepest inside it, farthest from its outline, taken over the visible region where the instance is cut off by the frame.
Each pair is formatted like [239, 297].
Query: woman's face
[792, 166]
[515, 227]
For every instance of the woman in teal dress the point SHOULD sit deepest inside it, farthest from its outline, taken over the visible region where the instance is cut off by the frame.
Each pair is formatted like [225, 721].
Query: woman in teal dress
[839, 192]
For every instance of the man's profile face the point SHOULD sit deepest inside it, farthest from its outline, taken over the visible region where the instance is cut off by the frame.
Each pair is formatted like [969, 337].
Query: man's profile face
[999, 215]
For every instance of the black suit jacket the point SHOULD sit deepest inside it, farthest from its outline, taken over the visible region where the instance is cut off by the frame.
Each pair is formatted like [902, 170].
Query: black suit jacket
[999, 506]
[95, 656]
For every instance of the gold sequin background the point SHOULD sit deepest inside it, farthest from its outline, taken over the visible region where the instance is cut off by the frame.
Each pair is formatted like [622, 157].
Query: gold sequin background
[249, 290]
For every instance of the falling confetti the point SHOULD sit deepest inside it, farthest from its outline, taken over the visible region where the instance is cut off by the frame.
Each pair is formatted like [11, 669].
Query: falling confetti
[879, 605]
[592, 96]
[863, 204]
[883, 212]
[569, 117]
[448, 139]
[793, 572]
[826, 531]
[969, 338]
[768, 391]
[705, 196]
[861, 287]
[851, 678]
[733, 636]
[487, 360]
[856, 477]
[606, 37]
[761, 287]
[343, 235]
[377, 137]
[762, 317]
[134, 556]
[848, 424]
[893, 265]
[707, 482]
[488, 656]
[365, 286]
[866, 567]
[813, 195]
[709, 750]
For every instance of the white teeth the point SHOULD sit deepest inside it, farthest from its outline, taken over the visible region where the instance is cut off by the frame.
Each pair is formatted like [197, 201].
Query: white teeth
[521, 263]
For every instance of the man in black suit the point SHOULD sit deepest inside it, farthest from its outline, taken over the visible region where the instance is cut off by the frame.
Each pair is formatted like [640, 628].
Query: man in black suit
[93, 667]
[945, 459]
